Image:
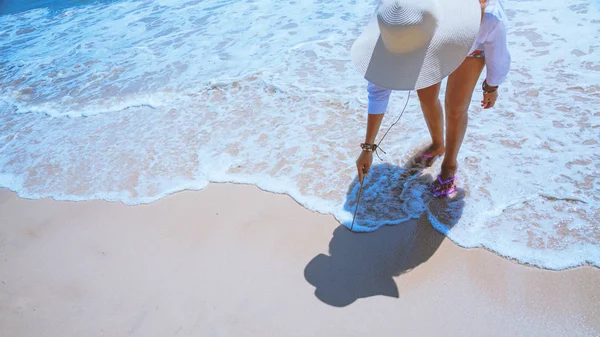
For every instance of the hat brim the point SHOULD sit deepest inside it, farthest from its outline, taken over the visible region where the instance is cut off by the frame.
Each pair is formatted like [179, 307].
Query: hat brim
[457, 28]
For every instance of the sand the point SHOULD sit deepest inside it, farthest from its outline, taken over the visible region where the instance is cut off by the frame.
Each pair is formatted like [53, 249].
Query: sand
[232, 260]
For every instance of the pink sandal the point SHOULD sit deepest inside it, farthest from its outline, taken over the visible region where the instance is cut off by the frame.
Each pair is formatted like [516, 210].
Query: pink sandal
[447, 191]
[429, 159]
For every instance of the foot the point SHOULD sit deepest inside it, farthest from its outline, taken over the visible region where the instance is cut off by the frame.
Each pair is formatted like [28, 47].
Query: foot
[446, 182]
[427, 157]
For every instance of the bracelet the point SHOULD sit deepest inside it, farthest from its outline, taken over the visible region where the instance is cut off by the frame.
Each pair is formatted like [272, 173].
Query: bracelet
[487, 89]
[368, 147]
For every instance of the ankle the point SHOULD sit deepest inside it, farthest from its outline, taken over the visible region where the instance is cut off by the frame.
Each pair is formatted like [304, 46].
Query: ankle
[437, 147]
[448, 171]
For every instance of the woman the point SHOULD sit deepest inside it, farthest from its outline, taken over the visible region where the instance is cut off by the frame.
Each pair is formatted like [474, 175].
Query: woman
[489, 50]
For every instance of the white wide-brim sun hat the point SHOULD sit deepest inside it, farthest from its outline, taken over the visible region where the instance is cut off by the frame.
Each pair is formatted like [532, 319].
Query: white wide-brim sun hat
[413, 44]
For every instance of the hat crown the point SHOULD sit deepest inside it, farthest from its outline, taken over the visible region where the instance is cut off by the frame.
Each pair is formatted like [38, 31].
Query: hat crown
[413, 44]
[407, 25]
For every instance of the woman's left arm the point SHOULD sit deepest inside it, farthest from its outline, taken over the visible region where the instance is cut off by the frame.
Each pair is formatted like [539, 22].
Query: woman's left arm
[497, 62]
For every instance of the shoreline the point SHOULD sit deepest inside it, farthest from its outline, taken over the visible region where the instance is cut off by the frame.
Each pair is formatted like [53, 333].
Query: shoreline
[232, 259]
[8, 191]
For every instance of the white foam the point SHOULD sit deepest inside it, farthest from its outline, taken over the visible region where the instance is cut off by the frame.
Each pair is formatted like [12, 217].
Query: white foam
[131, 101]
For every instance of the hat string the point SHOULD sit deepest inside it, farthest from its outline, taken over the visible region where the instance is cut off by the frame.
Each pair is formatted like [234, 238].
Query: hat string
[388, 130]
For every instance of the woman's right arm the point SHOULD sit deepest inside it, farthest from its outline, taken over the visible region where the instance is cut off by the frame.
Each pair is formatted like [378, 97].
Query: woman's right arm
[378, 103]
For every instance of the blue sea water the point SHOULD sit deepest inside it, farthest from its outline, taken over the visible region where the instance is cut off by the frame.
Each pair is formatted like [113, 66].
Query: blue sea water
[133, 100]
[53, 6]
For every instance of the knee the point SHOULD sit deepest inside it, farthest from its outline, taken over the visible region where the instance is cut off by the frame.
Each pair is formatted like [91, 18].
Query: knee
[430, 105]
[456, 109]
[429, 102]
[428, 97]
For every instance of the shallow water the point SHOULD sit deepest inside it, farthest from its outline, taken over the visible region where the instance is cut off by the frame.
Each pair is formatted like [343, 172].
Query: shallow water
[133, 100]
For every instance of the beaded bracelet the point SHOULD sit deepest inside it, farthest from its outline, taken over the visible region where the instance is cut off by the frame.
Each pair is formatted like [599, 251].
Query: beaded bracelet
[368, 147]
[487, 89]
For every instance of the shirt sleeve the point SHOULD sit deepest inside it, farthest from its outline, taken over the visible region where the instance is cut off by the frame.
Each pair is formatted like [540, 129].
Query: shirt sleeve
[378, 98]
[497, 56]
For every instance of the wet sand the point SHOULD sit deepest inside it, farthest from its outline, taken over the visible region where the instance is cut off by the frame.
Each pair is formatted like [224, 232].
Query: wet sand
[232, 260]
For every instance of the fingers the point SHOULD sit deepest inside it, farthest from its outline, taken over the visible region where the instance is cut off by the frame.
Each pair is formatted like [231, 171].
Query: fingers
[487, 104]
[488, 101]
[485, 101]
[361, 175]
[363, 165]
[363, 170]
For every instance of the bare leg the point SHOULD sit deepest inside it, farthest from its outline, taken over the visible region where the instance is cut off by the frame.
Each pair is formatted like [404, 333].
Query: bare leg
[459, 90]
[433, 113]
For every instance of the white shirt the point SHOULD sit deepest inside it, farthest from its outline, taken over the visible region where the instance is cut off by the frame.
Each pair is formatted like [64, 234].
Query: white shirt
[491, 39]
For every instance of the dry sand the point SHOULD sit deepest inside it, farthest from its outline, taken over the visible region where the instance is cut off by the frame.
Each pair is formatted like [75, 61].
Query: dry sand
[233, 260]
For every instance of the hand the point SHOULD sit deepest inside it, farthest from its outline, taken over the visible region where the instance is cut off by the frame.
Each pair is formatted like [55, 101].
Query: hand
[363, 164]
[489, 99]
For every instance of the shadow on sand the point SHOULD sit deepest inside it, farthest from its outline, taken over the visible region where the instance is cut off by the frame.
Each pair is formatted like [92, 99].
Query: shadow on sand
[361, 265]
